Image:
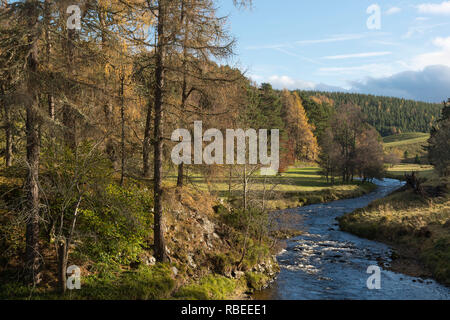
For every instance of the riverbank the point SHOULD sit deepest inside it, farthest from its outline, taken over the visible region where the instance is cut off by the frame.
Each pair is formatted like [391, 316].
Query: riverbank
[212, 254]
[325, 262]
[300, 185]
[416, 226]
[399, 171]
[294, 199]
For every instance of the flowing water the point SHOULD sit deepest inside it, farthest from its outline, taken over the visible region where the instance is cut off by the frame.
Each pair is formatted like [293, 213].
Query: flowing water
[326, 263]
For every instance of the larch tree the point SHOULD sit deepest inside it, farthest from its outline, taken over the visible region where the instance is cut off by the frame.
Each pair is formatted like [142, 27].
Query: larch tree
[5, 87]
[202, 38]
[167, 44]
[369, 157]
[19, 48]
[33, 141]
[300, 132]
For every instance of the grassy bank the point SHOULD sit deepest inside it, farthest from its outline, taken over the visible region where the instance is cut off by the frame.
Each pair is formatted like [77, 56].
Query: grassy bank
[216, 250]
[148, 283]
[399, 171]
[417, 227]
[298, 186]
[213, 254]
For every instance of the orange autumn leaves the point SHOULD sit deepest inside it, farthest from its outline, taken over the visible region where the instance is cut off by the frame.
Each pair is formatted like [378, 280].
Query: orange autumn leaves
[300, 143]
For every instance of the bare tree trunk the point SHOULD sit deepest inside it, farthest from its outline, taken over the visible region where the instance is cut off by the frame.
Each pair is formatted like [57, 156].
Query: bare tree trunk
[107, 107]
[69, 120]
[159, 241]
[230, 181]
[51, 107]
[62, 265]
[122, 118]
[264, 194]
[69, 127]
[64, 246]
[32, 232]
[180, 176]
[8, 135]
[245, 188]
[180, 180]
[110, 147]
[32, 256]
[147, 142]
[184, 93]
[9, 144]
[47, 17]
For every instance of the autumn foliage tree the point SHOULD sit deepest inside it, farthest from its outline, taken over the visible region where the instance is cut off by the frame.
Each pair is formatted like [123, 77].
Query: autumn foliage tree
[351, 147]
[299, 130]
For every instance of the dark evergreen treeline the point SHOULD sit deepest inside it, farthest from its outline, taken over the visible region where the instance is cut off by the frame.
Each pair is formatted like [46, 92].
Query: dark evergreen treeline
[439, 143]
[387, 114]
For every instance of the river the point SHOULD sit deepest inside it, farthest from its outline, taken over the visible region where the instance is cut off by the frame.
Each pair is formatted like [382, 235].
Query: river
[328, 264]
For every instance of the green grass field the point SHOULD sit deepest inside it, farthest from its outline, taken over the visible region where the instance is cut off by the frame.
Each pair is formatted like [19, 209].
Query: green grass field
[399, 171]
[412, 142]
[406, 138]
[296, 187]
[305, 179]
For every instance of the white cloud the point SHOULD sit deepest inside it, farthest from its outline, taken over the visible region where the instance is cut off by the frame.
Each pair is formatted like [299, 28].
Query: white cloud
[435, 8]
[430, 84]
[393, 10]
[358, 55]
[440, 57]
[428, 59]
[285, 82]
[442, 43]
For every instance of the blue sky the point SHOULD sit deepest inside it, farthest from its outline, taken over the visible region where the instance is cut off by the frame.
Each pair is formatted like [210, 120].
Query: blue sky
[326, 44]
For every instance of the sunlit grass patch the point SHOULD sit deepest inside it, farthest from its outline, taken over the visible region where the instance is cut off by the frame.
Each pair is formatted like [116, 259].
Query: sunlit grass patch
[405, 138]
[294, 180]
[212, 287]
[298, 186]
[408, 144]
[399, 171]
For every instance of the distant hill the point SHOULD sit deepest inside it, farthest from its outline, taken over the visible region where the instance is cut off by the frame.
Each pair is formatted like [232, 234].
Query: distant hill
[412, 142]
[406, 138]
[388, 115]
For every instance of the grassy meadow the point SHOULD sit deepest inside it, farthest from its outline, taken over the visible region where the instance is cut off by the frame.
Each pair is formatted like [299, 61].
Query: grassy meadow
[298, 186]
[413, 143]
[399, 171]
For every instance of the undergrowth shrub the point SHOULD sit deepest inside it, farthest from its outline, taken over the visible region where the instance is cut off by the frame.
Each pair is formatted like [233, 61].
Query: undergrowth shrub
[117, 225]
